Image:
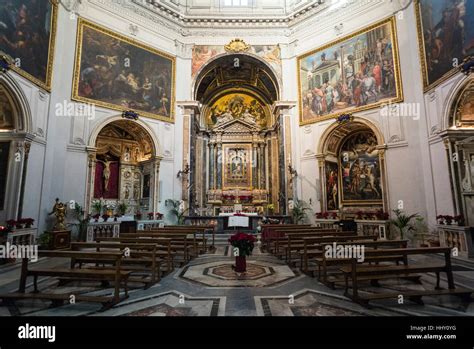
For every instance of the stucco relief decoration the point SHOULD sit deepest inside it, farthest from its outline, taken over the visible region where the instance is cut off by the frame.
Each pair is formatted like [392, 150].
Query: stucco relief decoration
[204, 53]
[236, 46]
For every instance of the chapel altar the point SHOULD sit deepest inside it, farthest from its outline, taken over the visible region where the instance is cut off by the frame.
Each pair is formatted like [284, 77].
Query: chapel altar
[237, 139]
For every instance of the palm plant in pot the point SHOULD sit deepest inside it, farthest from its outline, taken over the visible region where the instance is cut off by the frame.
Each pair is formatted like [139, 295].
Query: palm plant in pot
[81, 221]
[175, 211]
[403, 222]
[97, 206]
[298, 213]
[122, 208]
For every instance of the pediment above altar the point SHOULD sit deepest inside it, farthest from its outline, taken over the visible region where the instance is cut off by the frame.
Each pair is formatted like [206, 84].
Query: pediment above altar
[237, 126]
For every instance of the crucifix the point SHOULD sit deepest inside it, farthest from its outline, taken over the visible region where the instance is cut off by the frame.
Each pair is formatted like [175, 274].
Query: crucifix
[106, 172]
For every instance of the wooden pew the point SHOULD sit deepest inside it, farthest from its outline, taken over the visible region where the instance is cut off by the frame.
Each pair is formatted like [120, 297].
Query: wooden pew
[282, 233]
[355, 271]
[199, 242]
[312, 248]
[295, 241]
[142, 258]
[163, 247]
[268, 231]
[330, 280]
[117, 275]
[282, 243]
[181, 246]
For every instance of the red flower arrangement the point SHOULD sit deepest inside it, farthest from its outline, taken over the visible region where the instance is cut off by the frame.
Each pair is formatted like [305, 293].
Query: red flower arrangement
[4, 230]
[326, 215]
[96, 217]
[448, 219]
[28, 222]
[151, 215]
[244, 242]
[381, 215]
[459, 219]
[11, 223]
[159, 215]
[245, 197]
[440, 219]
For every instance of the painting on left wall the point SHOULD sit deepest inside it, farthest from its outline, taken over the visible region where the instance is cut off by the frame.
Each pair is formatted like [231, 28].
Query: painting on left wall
[119, 73]
[27, 33]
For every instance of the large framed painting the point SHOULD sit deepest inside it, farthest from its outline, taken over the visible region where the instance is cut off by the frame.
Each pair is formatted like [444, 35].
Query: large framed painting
[357, 72]
[446, 37]
[116, 72]
[332, 174]
[360, 170]
[237, 166]
[27, 34]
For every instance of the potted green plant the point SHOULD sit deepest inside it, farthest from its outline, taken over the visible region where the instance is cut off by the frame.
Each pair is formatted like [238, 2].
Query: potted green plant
[81, 221]
[403, 222]
[175, 211]
[44, 241]
[122, 208]
[97, 206]
[299, 211]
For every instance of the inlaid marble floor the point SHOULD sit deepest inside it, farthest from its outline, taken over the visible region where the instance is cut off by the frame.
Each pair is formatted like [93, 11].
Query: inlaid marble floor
[208, 286]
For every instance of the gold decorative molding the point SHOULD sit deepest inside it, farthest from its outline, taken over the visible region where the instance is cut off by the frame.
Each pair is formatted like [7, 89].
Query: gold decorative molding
[236, 46]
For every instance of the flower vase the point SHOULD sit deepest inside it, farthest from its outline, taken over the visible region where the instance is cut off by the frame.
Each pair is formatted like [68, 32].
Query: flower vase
[240, 264]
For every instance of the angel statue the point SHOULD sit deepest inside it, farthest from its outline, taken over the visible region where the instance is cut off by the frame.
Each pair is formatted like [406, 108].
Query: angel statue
[59, 210]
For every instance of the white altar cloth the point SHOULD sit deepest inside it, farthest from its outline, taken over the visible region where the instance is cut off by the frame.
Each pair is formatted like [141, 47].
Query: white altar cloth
[238, 221]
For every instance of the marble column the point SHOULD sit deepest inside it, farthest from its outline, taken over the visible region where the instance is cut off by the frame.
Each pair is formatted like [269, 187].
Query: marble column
[219, 165]
[211, 165]
[156, 184]
[255, 166]
[263, 166]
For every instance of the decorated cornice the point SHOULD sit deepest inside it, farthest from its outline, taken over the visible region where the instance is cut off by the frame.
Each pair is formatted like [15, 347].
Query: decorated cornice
[302, 22]
[224, 19]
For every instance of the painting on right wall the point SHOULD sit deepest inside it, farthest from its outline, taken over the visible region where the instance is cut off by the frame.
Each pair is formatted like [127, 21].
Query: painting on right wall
[446, 37]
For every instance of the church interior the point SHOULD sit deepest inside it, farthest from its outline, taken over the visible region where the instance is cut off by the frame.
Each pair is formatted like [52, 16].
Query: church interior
[252, 158]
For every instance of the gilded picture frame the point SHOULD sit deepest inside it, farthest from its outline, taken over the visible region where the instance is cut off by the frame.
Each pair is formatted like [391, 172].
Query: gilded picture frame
[427, 84]
[139, 47]
[46, 84]
[397, 88]
[244, 151]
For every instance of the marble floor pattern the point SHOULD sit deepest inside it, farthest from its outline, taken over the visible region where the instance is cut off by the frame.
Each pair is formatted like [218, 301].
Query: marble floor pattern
[209, 287]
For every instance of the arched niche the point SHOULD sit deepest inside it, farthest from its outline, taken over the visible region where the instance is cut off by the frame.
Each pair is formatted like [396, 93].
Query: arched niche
[15, 143]
[458, 137]
[123, 166]
[239, 113]
[352, 167]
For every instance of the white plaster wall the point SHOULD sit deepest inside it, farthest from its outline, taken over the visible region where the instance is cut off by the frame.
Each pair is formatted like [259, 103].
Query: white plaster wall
[417, 169]
[408, 158]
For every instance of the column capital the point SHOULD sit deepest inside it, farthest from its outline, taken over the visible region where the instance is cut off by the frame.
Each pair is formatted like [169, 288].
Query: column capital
[189, 107]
